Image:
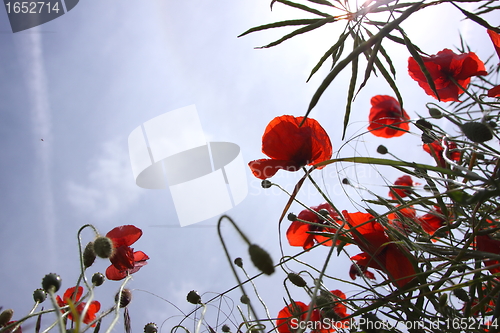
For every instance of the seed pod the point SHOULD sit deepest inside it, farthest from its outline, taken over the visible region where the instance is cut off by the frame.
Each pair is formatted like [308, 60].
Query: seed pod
[461, 294]
[98, 279]
[238, 262]
[151, 328]
[266, 184]
[297, 280]
[88, 255]
[261, 259]
[382, 150]
[244, 299]
[39, 295]
[103, 247]
[193, 297]
[125, 299]
[477, 132]
[51, 282]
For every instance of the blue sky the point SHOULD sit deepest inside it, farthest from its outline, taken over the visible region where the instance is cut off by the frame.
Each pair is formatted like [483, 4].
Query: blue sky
[74, 88]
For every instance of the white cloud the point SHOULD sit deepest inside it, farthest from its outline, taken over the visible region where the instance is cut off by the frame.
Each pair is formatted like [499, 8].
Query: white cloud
[110, 187]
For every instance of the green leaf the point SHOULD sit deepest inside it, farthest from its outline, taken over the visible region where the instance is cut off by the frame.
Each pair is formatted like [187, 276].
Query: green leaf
[333, 50]
[476, 18]
[363, 47]
[322, 2]
[303, 7]
[280, 24]
[350, 95]
[390, 81]
[302, 30]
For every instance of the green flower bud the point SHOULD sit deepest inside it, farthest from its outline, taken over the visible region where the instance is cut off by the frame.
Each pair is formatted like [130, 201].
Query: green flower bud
[461, 294]
[238, 262]
[382, 150]
[125, 299]
[297, 280]
[88, 255]
[266, 184]
[435, 113]
[98, 279]
[261, 259]
[6, 316]
[477, 132]
[103, 247]
[292, 217]
[244, 299]
[226, 329]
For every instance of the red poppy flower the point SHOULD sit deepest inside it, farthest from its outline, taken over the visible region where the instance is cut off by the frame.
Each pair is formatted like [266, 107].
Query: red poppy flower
[443, 67]
[486, 243]
[330, 312]
[124, 260]
[436, 150]
[494, 92]
[298, 234]
[495, 38]
[378, 253]
[402, 188]
[387, 119]
[74, 295]
[290, 316]
[432, 221]
[291, 147]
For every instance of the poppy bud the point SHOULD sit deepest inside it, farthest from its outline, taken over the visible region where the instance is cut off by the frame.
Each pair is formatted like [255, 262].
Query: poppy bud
[103, 247]
[244, 299]
[426, 138]
[125, 299]
[238, 262]
[261, 259]
[422, 123]
[193, 297]
[382, 150]
[39, 295]
[297, 280]
[292, 217]
[266, 184]
[324, 212]
[435, 113]
[461, 294]
[477, 132]
[51, 282]
[6, 316]
[88, 255]
[97, 279]
[151, 328]
[346, 181]
[226, 329]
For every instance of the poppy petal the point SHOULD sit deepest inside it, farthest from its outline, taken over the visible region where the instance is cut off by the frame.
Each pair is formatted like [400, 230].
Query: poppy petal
[297, 235]
[124, 235]
[494, 92]
[266, 168]
[114, 274]
[495, 38]
[68, 294]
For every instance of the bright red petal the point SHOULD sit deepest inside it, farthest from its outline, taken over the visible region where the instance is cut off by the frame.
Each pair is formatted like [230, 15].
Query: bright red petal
[494, 92]
[113, 274]
[398, 266]
[123, 258]
[124, 235]
[140, 261]
[284, 322]
[68, 294]
[94, 307]
[266, 168]
[495, 38]
[297, 235]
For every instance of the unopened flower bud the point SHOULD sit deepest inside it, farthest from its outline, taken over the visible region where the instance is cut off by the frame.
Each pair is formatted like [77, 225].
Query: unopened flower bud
[244, 299]
[266, 184]
[477, 132]
[238, 262]
[125, 299]
[435, 113]
[461, 294]
[39, 295]
[151, 328]
[346, 181]
[6, 316]
[297, 280]
[422, 123]
[51, 282]
[88, 255]
[382, 150]
[292, 217]
[98, 279]
[226, 329]
[193, 297]
[324, 212]
[261, 259]
[103, 247]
